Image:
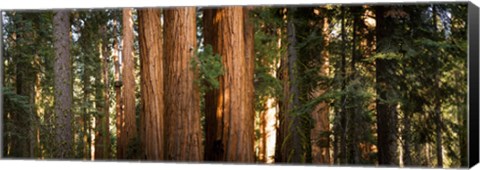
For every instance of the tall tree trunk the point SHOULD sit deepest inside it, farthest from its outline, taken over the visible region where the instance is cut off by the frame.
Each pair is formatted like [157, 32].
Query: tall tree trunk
[118, 91]
[229, 128]
[343, 100]
[152, 72]
[183, 129]
[320, 114]
[128, 128]
[249, 39]
[106, 106]
[103, 132]
[85, 110]
[407, 160]
[437, 100]
[355, 133]
[290, 140]
[63, 85]
[282, 128]
[98, 130]
[463, 133]
[386, 112]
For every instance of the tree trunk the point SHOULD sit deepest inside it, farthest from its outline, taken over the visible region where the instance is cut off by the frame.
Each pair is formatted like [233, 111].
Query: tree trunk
[320, 114]
[437, 102]
[152, 68]
[118, 91]
[128, 128]
[249, 38]
[63, 85]
[230, 127]
[106, 106]
[343, 100]
[98, 130]
[386, 112]
[183, 131]
[407, 160]
[290, 138]
[103, 133]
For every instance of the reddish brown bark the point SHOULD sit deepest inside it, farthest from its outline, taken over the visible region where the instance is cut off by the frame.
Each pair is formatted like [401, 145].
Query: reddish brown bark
[183, 131]
[230, 126]
[152, 89]
[128, 128]
[118, 90]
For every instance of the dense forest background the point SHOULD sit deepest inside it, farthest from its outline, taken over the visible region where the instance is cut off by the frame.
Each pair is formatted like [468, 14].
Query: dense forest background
[330, 84]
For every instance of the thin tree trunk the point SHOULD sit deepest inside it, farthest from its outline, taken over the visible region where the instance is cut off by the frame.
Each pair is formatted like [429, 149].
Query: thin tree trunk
[407, 160]
[184, 134]
[262, 152]
[106, 107]
[386, 112]
[343, 111]
[63, 85]
[290, 138]
[437, 102]
[85, 110]
[118, 91]
[128, 128]
[320, 139]
[355, 132]
[283, 110]
[98, 130]
[249, 39]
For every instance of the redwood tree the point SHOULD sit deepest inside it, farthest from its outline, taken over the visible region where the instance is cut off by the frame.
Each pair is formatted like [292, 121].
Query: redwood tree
[128, 130]
[152, 89]
[229, 123]
[182, 106]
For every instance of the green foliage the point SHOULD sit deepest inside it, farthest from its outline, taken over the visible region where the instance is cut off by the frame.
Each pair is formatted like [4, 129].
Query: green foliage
[208, 67]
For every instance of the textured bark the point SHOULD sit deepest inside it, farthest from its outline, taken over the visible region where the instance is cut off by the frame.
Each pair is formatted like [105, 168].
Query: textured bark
[343, 113]
[63, 85]
[289, 143]
[262, 151]
[354, 133]
[320, 114]
[152, 89]
[85, 117]
[282, 75]
[102, 148]
[230, 128]
[386, 112]
[183, 131]
[98, 130]
[128, 128]
[249, 39]
[118, 91]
